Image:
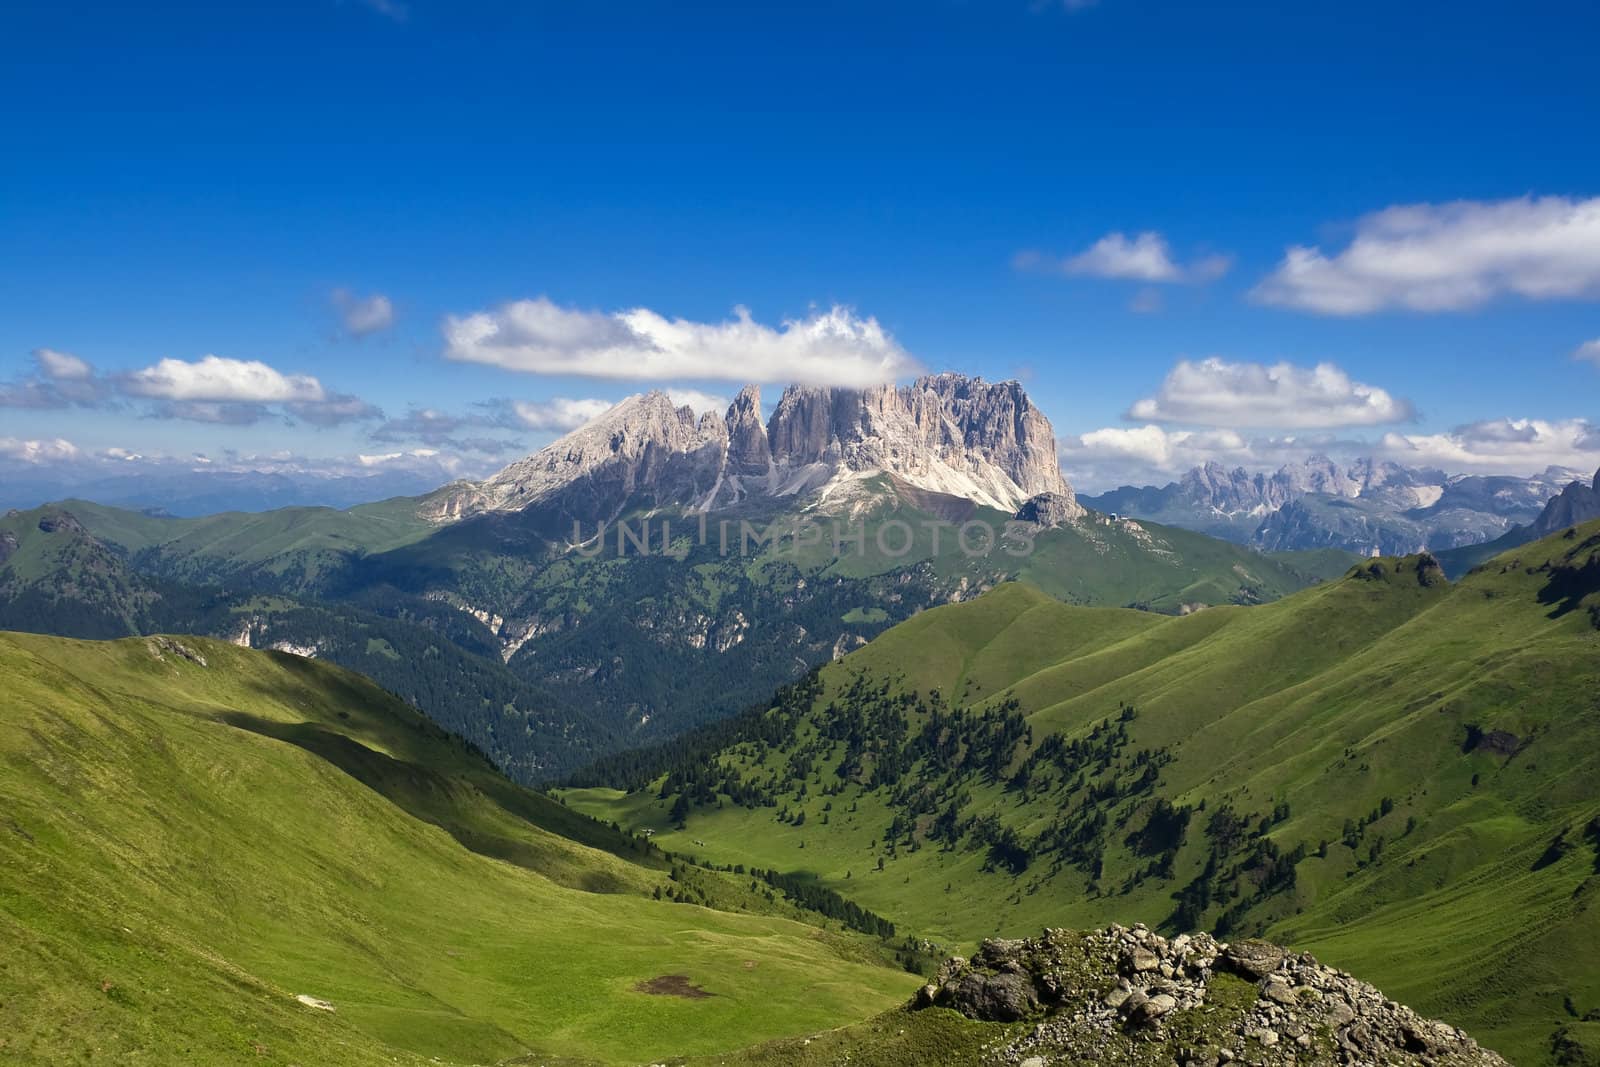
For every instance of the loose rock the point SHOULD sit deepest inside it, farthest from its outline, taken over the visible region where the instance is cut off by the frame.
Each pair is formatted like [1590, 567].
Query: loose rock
[1131, 996]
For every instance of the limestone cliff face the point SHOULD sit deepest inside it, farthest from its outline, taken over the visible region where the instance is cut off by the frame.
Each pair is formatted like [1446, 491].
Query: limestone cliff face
[963, 437]
[748, 451]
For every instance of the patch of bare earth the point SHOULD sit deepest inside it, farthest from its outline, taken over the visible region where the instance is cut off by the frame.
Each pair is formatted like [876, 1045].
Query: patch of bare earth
[673, 985]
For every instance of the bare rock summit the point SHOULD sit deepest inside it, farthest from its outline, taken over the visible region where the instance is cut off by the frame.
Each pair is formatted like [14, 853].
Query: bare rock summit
[947, 434]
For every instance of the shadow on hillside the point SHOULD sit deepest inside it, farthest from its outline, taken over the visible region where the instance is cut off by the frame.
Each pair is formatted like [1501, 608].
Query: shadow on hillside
[1570, 584]
[371, 711]
[435, 799]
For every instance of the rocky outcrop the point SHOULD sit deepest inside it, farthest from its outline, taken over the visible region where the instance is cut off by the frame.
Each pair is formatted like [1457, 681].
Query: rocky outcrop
[1576, 504]
[55, 521]
[947, 434]
[1130, 996]
[1050, 510]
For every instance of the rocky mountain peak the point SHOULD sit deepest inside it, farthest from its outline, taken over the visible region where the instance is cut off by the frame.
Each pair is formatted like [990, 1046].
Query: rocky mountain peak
[948, 433]
[944, 433]
[1577, 503]
[748, 452]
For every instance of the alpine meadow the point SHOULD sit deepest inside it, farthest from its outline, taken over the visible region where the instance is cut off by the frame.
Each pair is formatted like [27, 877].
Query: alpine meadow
[1036, 533]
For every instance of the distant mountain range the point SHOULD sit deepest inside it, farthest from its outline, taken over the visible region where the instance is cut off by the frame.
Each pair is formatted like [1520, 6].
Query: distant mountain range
[190, 491]
[793, 539]
[548, 645]
[1369, 507]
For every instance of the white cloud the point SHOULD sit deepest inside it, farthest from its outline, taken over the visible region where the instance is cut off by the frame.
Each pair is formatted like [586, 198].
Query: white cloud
[1213, 392]
[363, 315]
[1510, 446]
[1160, 448]
[1447, 257]
[834, 347]
[215, 378]
[699, 402]
[62, 366]
[213, 389]
[61, 380]
[1589, 350]
[557, 414]
[394, 457]
[238, 392]
[1152, 455]
[1146, 257]
[1141, 455]
[54, 450]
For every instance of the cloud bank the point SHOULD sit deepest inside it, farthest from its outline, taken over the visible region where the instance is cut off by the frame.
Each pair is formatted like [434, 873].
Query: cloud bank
[237, 392]
[1503, 446]
[834, 347]
[1215, 392]
[1447, 257]
[34, 452]
[1139, 455]
[558, 414]
[214, 378]
[212, 389]
[59, 380]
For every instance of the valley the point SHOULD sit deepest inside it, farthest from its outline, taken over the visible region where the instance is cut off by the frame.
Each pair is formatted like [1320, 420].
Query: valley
[1387, 760]
[996, 712]
[196, 838]
[1023, 533]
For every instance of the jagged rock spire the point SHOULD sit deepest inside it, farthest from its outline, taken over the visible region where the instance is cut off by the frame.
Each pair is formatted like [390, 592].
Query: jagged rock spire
[946, 433]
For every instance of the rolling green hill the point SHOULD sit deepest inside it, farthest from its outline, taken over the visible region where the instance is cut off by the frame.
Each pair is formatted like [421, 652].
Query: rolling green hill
[1391, 770]
[56, 577]
[193, 836]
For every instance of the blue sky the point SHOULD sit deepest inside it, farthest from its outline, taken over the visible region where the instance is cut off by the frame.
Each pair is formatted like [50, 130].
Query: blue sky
[972, 179]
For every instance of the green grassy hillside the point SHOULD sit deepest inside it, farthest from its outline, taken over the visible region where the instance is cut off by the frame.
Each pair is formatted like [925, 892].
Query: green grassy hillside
[293, 549]
[55, 576]
[1391, 770]
[193, 835]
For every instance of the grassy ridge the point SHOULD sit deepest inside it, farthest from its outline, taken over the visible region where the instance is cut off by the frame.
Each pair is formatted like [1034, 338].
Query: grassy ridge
[1390, 770]
[186, 847]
